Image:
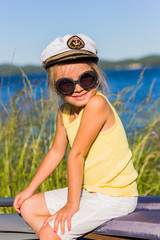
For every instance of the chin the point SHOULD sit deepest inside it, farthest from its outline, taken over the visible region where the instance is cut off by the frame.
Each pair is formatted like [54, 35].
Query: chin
[79, 103]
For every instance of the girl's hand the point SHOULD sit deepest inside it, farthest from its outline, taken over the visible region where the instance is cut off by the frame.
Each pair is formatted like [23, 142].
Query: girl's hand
[61, 216]
[20, 198]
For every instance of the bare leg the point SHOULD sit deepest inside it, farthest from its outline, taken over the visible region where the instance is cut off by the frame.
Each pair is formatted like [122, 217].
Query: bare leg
[48, 233]
[35, 212]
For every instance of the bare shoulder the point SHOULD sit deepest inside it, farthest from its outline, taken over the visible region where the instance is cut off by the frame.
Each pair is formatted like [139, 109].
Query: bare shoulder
[99, 110]
[98, 103]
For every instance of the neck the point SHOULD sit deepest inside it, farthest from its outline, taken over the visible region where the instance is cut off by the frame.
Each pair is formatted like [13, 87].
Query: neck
[75, 110]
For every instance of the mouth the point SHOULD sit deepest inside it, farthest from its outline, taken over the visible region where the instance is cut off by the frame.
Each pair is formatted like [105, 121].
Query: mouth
[80, 96]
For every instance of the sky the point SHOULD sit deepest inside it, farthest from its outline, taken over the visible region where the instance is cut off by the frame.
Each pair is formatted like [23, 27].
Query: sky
[121, 28]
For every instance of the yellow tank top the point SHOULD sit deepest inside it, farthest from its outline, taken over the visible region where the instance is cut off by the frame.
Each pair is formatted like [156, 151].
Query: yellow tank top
[108, 165]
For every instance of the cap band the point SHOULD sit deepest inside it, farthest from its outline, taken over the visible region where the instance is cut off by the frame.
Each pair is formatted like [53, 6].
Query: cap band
[71, 55]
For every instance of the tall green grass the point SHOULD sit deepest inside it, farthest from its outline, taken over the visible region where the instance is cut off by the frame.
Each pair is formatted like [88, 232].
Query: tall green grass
[143, 128]
[27, 128]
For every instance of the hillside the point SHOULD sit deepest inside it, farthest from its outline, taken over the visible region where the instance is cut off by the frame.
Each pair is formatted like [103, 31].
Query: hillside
[13, 69]
[152, 61]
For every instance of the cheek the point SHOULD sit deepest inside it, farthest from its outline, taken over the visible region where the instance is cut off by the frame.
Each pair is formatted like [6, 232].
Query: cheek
[65, 98]
[93, 91]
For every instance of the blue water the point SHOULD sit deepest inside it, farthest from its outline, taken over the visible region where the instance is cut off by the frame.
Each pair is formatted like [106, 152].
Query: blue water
[12, 85]
[121, 79]
[116, 79]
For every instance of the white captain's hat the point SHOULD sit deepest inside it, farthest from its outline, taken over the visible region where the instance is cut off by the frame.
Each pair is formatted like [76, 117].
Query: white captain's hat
[69, 48]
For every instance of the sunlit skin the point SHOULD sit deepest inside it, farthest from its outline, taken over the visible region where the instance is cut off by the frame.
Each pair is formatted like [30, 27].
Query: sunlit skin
[97, 116]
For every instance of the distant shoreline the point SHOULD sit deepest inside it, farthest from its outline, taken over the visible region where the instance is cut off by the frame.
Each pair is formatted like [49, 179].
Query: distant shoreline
[151, 61]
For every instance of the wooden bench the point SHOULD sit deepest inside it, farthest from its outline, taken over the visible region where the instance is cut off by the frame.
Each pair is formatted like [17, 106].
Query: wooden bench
[143, 223]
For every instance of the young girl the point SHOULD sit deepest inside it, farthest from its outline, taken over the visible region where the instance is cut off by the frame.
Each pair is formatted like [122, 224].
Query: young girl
[101, 176]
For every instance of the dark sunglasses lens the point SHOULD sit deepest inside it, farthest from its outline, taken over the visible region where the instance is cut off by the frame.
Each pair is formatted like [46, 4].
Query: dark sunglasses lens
[66, 86]
[88, 80]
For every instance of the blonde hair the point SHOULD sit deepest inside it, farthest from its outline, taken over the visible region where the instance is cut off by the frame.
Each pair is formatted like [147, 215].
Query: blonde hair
[103, 86]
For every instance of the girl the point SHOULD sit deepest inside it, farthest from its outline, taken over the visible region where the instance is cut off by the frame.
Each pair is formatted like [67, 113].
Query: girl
[101, 176]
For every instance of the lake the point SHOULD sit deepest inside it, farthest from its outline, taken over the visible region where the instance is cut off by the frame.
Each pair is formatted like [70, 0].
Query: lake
[116, 79]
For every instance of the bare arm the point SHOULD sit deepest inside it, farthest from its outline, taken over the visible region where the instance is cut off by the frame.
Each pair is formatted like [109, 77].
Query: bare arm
[50, 162]
[54, 156]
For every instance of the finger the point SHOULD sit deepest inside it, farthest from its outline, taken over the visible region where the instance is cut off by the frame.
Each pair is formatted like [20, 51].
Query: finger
[49, 219]
[17, 209]
[69, 223]
[16, 205]
[18, 201]
[56, 225]
[15, 201]
[62, 224]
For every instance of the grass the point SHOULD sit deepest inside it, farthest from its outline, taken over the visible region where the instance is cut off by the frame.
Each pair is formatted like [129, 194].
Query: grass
[27, 132]
[143, 128]
[27, 127]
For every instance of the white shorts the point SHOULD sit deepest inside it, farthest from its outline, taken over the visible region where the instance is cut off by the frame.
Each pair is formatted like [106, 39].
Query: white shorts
[95, 209]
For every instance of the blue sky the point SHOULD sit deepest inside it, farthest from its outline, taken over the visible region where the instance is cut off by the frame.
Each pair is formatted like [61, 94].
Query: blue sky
[121, 28]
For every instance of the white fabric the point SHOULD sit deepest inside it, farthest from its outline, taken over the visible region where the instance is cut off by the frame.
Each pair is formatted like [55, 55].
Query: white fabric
[95, 209]
[59, 45]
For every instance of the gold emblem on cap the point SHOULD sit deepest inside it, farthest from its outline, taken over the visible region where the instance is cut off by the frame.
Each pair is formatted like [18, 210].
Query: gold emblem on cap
[75, 42]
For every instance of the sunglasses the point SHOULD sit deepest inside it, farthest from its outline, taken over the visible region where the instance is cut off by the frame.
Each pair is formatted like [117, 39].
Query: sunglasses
[86, 80]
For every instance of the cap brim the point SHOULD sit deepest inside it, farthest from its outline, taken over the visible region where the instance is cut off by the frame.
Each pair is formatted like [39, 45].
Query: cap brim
[70, 56]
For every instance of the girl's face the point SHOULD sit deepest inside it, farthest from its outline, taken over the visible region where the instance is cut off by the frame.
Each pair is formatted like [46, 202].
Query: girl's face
[80, 96]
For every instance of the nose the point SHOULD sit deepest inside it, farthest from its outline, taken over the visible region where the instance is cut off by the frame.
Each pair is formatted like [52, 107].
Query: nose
[78, 88]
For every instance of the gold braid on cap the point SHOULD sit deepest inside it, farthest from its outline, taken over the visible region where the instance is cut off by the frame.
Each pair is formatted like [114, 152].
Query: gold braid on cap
[73, 54]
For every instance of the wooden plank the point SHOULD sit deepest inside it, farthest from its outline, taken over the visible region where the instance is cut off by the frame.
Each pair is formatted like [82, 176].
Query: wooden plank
[94, 236]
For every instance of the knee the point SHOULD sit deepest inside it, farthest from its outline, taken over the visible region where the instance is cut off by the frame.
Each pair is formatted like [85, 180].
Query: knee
[27, 208]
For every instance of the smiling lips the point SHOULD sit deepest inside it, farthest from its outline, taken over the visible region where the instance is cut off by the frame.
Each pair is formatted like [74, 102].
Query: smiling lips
[80, 96]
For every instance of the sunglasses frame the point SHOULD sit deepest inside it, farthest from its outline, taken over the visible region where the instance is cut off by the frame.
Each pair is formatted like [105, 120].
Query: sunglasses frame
[92, 73]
